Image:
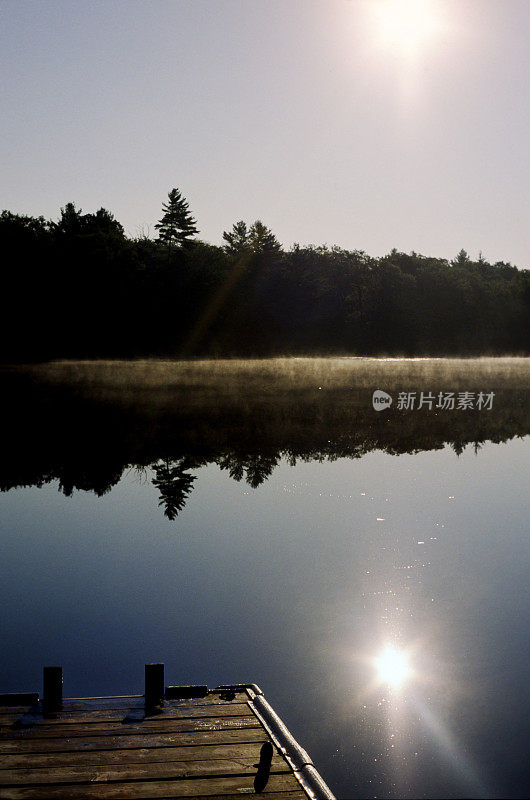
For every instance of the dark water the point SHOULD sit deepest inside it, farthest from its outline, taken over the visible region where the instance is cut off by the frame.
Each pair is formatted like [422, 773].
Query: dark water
[287, 546]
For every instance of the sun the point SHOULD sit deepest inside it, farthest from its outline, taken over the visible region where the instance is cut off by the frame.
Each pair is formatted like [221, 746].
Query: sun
[393, 667]
[406, 25]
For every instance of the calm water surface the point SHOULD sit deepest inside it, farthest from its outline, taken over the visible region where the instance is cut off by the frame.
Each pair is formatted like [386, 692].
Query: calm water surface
[299, 585]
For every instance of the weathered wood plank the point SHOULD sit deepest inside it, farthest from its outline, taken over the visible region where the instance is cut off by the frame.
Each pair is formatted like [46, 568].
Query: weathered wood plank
[184, 738]
[6, 720]
[242, 765]
[198, 787]
[119, 729]
[299, 795]
[138, 701]
[101, 697]
[196, 752]
[111, 715]
[108, 748]
[9, 710]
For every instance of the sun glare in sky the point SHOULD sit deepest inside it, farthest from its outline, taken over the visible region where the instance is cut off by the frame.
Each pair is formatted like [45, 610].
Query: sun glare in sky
[406, 25]
[393, 667]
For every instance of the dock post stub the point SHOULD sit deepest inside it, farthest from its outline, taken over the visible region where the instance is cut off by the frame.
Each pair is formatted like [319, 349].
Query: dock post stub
[52, 679]
[154, 685]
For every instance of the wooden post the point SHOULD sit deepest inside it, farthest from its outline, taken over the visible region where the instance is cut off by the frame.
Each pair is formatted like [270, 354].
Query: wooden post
[154, 685]
[52, 699]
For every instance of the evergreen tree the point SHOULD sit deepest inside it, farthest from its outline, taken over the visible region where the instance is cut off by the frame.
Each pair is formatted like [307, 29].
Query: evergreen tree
[461, 260]
[177, 224]
[256, 239]
[71, 221]
[262, 239]
[237, 240]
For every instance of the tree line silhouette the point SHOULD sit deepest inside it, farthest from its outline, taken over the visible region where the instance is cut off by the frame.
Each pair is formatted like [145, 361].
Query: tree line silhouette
[81, 288]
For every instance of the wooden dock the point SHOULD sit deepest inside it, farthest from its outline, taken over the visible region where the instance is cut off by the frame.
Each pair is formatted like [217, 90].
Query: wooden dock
[169, 742]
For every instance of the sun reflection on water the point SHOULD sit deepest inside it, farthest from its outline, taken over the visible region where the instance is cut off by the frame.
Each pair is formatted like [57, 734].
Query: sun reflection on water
[393, 667]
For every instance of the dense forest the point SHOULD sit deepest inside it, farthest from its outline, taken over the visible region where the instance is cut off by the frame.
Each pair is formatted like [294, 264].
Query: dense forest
[81, 288]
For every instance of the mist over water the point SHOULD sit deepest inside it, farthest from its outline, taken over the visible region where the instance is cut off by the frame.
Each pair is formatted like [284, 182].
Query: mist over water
[260, 521]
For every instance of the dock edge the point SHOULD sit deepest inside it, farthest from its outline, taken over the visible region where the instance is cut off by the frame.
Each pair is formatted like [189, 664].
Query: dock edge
[298, 759]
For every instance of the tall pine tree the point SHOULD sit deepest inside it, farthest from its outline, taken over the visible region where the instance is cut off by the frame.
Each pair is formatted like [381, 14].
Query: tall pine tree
[177, 224]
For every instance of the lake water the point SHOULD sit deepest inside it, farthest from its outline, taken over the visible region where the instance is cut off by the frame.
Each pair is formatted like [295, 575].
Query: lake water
[293, 563]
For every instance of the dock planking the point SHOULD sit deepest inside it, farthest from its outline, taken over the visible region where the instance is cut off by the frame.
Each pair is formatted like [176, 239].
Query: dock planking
[216, 745]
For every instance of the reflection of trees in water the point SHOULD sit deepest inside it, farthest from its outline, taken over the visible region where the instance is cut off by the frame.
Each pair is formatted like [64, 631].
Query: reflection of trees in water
[91, 479]
[256, 468]
[56, 433]
[174, 484]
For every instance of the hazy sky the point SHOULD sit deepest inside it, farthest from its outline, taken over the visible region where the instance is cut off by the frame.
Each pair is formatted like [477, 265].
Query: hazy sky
[333, 121]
